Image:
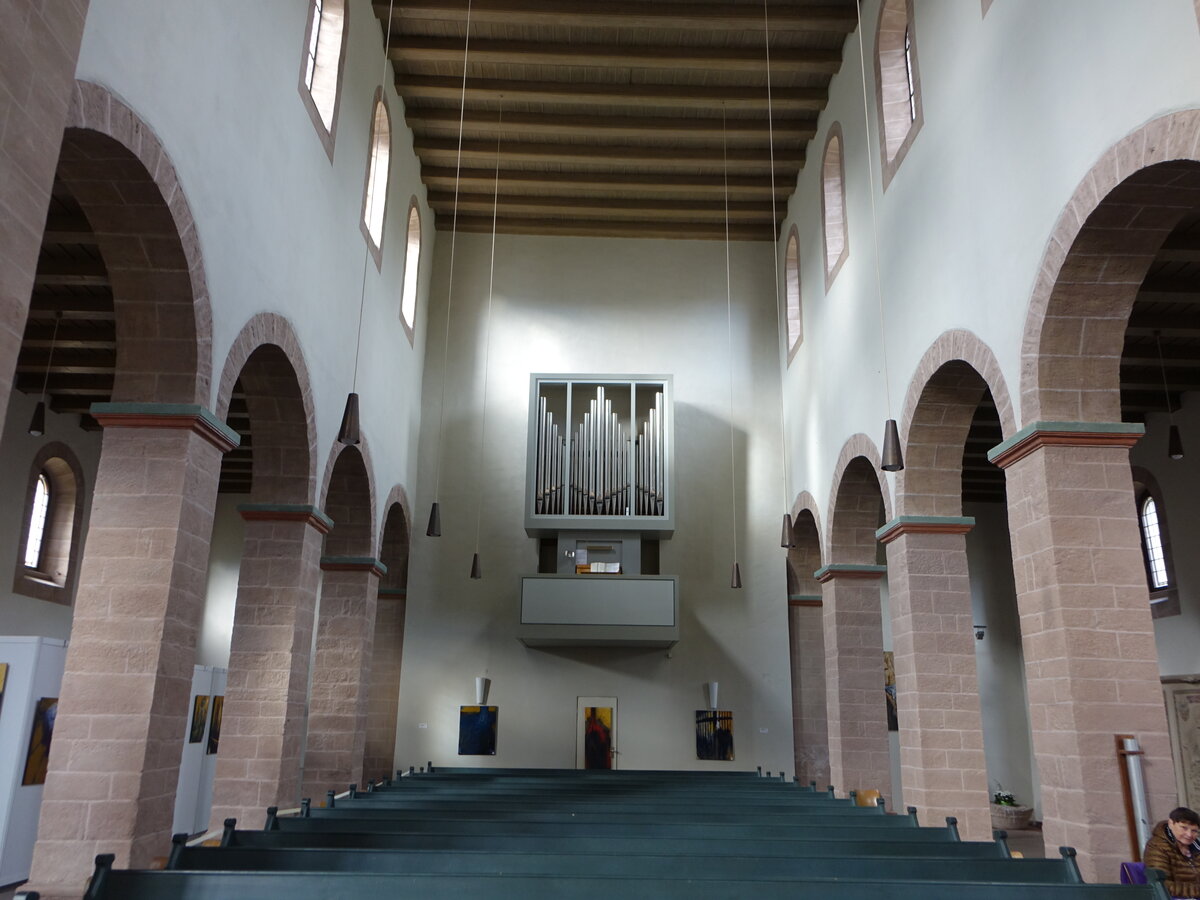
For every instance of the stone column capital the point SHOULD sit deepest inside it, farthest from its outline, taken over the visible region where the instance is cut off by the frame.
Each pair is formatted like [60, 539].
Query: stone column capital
[353, 564]
[1034, 437]
[286, 512]
[902, 525]
[835, 570]
[393, 593]
[190, 416]
[805, 600]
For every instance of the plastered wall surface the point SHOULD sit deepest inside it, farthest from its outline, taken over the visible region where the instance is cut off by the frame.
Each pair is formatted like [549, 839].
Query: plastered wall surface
[601, 306]
[278, 223]
[1017, 107]
[21, 615]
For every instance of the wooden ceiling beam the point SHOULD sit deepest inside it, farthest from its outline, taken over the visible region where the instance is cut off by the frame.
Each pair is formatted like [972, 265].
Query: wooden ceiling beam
[68, 229]
[97, 303]
[517, 181]
[66, 383]
[408, 50]
[740, 159]
[581, 228]
[784, 100]
[59, 272]
[565, 13]
[477, 124]
[658, 210]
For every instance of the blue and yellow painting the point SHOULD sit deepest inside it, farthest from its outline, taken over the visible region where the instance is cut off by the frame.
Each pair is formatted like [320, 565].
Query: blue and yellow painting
[714, 734]
[477, 730]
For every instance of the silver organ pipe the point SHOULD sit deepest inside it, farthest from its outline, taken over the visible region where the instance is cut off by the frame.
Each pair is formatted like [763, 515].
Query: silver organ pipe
[596, 467]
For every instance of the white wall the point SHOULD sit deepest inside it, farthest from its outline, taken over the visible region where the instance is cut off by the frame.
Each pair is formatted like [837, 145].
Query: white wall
[21, 615]
[601, 306]
[1178, 637]
[220, 589]
[999, 661]
[278, 223]
[1018, 105]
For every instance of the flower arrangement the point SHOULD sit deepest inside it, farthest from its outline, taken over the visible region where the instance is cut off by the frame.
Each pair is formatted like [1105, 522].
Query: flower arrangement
[1003, 797]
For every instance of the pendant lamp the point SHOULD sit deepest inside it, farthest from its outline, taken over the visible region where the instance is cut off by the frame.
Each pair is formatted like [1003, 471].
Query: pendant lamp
[37, 424]
[1174, 441]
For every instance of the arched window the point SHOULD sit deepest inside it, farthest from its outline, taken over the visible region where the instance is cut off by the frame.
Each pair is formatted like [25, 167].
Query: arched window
[321, 65]
[412, 264]
[34, 542]
[1152, 544]
[791, 284]
[833, 205]
[51, 527]
[897, 83]
[378, 164]
[1156, 545]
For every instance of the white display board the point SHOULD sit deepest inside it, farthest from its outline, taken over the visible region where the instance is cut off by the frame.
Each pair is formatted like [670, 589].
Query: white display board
[197, 766]
[35, 670]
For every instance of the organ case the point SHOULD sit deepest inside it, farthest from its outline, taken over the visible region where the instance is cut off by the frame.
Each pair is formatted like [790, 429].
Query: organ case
[601, 453]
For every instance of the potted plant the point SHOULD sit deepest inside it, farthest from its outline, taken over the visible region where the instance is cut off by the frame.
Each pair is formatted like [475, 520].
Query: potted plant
[1007, 814]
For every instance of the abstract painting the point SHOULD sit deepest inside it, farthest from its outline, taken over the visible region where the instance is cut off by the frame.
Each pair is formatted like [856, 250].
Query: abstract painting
[3, 678]
[477, 730]
[714, 734]
[889, 690]
[199, 718]
[597, 737]
[39, 741]
[214, 730]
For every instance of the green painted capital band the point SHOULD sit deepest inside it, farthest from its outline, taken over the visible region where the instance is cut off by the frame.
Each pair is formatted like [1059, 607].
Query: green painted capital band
[825, 573]
[168, 411]
[286, 510]
[1132, 429]
[965, 522]
[353, 563]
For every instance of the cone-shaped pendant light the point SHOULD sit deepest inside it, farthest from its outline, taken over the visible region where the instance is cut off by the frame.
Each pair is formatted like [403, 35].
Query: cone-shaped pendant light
[736, 580]
[787, 539]
[1174, 443]
[37, 425]
[476, 568]
[893, 461]
[348, 433]
[434, 528]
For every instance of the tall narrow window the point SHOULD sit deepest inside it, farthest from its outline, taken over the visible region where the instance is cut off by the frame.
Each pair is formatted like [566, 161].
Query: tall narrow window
[897, 83]
[1152, 545]
[378, 164]
[833, 205]
[791, 283]
[51, 527]
[37, 522]
[412, 264]
[321, 65]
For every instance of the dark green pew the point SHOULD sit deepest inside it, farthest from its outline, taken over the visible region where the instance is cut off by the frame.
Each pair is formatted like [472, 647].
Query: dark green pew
[650, 865]
[867, 817]
[877, 830]
[817, 846]
[784, 796]
[170, 885]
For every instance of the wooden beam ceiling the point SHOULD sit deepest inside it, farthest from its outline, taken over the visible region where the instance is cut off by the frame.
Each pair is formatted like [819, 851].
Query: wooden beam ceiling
[613, 118]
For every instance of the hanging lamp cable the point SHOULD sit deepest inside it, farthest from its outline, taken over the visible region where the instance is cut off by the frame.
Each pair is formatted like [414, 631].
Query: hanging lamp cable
[476, 570]
[434, 528]
[736, 581]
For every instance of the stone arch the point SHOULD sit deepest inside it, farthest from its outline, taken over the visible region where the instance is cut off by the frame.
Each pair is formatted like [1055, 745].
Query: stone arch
[118, 170]
[347, 483]
[943, 395]
[266, 356]
[805, 557]
[1095, 259]
[394, 541]
[856, 476]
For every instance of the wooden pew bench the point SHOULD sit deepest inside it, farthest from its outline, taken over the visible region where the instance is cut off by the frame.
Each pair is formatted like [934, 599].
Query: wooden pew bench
[841, 864]
[110, 884]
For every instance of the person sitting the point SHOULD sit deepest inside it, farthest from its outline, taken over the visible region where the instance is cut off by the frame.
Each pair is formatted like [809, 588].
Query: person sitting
[1173, 849]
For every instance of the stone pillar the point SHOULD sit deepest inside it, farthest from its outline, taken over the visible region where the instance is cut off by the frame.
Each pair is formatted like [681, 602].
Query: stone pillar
[1091, 665]
[379, 757]
[123, 708]
[262, 733]
[337, 716]
[942, 762]
[859, 758]
[806, 632]
[39, 43]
